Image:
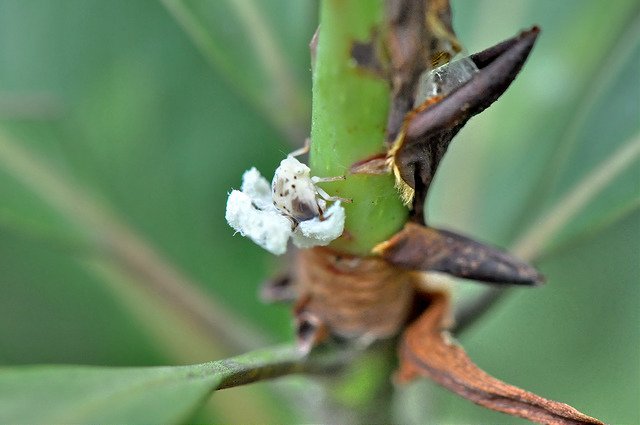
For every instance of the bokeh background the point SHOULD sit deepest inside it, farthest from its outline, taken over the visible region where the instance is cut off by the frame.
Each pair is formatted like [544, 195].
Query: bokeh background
[137, 117]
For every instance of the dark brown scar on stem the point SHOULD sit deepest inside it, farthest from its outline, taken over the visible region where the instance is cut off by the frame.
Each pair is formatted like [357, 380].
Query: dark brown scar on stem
[367, 57]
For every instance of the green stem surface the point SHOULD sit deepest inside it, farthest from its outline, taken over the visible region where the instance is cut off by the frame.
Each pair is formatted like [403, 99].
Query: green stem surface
[350, 107]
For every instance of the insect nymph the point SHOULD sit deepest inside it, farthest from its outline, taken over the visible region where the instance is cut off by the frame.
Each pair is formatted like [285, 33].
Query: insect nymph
[293, 207]
[295, 193]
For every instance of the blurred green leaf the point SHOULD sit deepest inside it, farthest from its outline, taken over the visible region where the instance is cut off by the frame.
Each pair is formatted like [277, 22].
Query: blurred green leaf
[66, 394]
[120, 245]
[80, 394]
[593, 178]
[611, 121]
[246, 44]
[533, 243]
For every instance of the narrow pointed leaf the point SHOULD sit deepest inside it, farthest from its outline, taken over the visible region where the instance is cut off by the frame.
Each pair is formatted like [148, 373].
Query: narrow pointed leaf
[85, 394]
[68, 394]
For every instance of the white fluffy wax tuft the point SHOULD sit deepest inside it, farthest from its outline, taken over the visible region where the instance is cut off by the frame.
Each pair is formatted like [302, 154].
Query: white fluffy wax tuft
[252, 214]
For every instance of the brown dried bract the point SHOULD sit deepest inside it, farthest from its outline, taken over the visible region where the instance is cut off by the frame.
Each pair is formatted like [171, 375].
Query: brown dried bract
[354, 297]
[417, 247]
[427, 350]
[426, 134]
[364, 299]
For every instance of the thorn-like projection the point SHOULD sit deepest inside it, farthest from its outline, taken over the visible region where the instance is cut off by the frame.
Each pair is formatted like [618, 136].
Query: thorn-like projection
[417, 247]
[427, 131]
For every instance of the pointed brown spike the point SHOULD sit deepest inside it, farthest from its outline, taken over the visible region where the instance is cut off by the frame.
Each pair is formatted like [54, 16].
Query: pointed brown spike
[482, 90]
[487, 56]
[417, 247]
[427, 350]
[429, 131]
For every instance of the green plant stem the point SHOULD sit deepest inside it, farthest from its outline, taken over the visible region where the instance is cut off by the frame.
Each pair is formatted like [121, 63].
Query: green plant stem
[349, 116]
[365, 390]
[350, 107]
[359, 379]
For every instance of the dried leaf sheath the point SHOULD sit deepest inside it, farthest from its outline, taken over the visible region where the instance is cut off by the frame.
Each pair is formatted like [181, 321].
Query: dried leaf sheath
[420, 34]
[353, 296]
[427, 350]
[408, 56]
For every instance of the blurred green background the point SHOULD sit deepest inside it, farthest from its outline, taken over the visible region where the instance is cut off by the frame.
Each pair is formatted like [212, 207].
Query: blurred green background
[122, 110]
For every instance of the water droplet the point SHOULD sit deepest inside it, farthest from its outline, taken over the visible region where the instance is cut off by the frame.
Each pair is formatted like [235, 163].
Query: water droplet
[446, 78]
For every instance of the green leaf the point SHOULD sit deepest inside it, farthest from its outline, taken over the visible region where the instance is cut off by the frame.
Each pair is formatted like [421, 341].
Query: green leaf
[83, 394]
[245, 42]
[610, 123]
[67, 394]
[567, 211]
